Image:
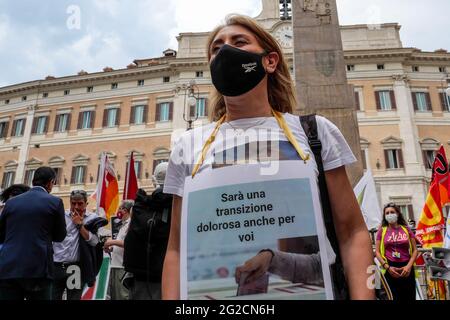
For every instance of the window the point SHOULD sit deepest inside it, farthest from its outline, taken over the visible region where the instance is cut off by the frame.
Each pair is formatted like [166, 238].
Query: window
[4, 129]
[363, 159]
[45, 95]
[90, 89]
[415, 68]
[421, 101]
[428, 158]
[7, 101]
[66, 92]
[8, 179]
[78, 175]
[380, 66]
[141, 83]
[58, 172]
[350, 67]
[199, 74]
[111, 118]
[385, 100]
[86, 120]
[164, 112]
[114, 86]
[62, 122]
[28, 180]
[442, 69]
[357, 101]
[166, 79]
[138, 115]
[407, 211]
[394, 159]
[18, 128]
[137, 168]
[40, 125]
[200, 109]
[445, 101]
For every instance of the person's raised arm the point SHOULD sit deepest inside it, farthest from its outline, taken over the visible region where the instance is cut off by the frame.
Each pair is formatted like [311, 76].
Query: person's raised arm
[353, 236]
[171, 269]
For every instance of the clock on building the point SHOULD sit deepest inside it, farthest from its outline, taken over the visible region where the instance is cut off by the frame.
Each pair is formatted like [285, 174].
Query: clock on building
[284, 35]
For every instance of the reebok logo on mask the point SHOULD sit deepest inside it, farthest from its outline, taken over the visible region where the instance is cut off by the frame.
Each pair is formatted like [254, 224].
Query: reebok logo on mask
[249, 67]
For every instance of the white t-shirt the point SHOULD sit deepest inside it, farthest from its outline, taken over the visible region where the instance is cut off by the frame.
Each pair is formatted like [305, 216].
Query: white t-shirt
[117, 253]
[253, 139]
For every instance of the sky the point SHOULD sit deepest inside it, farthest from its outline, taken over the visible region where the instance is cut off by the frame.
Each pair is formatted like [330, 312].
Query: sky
[63, 37]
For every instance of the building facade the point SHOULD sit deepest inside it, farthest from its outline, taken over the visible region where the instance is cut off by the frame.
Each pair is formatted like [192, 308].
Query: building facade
[66, 123]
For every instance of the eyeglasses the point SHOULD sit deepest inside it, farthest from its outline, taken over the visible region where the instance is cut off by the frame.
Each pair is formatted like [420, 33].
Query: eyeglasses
[390, 204]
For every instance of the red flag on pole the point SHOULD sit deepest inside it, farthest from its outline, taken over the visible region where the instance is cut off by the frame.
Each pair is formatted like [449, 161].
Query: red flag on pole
[441, 176]
[131, 184]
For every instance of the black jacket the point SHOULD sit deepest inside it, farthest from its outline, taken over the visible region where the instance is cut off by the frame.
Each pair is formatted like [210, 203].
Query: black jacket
[146, 241]
[29, 224]
[91, 257]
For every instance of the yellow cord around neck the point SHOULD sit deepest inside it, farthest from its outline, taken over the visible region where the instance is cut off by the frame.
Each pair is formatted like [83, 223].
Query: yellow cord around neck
[281, 122]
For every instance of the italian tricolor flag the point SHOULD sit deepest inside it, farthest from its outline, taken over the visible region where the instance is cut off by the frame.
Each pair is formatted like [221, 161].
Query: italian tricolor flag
[98, 291]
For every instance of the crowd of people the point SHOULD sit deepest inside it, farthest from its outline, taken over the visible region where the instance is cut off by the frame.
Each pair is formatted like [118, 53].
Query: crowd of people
[49, 253]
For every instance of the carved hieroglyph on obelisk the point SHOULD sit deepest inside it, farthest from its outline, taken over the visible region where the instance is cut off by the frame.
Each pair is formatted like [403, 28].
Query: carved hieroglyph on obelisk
[321, 79]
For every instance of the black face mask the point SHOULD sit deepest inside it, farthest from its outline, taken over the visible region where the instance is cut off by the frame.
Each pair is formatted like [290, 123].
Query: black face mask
[235, 71]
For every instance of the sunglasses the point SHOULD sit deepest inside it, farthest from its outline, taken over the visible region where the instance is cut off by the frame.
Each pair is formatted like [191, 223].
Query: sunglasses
[390, 204]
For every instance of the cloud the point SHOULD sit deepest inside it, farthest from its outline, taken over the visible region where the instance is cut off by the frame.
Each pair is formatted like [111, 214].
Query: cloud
[37, 42]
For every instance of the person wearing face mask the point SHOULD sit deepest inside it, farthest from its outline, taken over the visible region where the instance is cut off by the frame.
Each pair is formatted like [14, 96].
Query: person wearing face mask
[396, 251]
[254, 90]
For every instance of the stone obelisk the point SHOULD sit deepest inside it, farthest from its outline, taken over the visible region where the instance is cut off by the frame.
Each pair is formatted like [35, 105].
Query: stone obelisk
[321, 79]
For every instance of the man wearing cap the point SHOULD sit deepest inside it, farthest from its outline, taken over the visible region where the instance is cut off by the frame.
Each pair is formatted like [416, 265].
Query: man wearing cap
[67, 257]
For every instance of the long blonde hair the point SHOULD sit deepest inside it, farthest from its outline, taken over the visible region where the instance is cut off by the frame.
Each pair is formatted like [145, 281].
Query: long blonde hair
[280, 87]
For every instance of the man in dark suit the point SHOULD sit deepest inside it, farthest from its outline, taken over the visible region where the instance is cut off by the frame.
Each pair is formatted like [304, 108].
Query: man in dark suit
[29, 224]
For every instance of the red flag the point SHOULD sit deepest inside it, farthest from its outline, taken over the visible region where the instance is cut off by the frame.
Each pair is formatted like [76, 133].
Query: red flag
[107, 192]
[131, 184]
[441, 175]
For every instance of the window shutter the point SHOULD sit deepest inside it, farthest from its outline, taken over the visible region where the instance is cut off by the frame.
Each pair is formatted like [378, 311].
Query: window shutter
[34, 127]
[98, 172]
[145, 118]
[5, 130]
[425, 159]
[400, 159]
[84, 174]
[393, 101]
[80, 120]
[57, 120]
[132, 115]
[171, 111]
[23, 127]
[158, 113]
[428, 98]
[386, 159]
[358, 105]
[192, 112]
[4, 181]
[378, 100]
[13, 129]
[414, 99]
[47, 120]
[105, 118]
[92, 124]
[139, 171]
[72, 177]
[411, 211]
[442, 96]
[69, 120]
[118, 117]
[58, 175]
[363, 159]
[206, 107]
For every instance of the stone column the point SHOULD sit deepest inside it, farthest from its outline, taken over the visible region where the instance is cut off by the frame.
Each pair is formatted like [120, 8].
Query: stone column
[320, 72]
[24, 147]
[408, 129]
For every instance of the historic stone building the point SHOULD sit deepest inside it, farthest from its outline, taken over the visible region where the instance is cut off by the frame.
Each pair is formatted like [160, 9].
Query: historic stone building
[403, 111]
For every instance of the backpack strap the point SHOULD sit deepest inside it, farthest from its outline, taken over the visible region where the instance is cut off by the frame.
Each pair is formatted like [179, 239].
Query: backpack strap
[309, 124]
